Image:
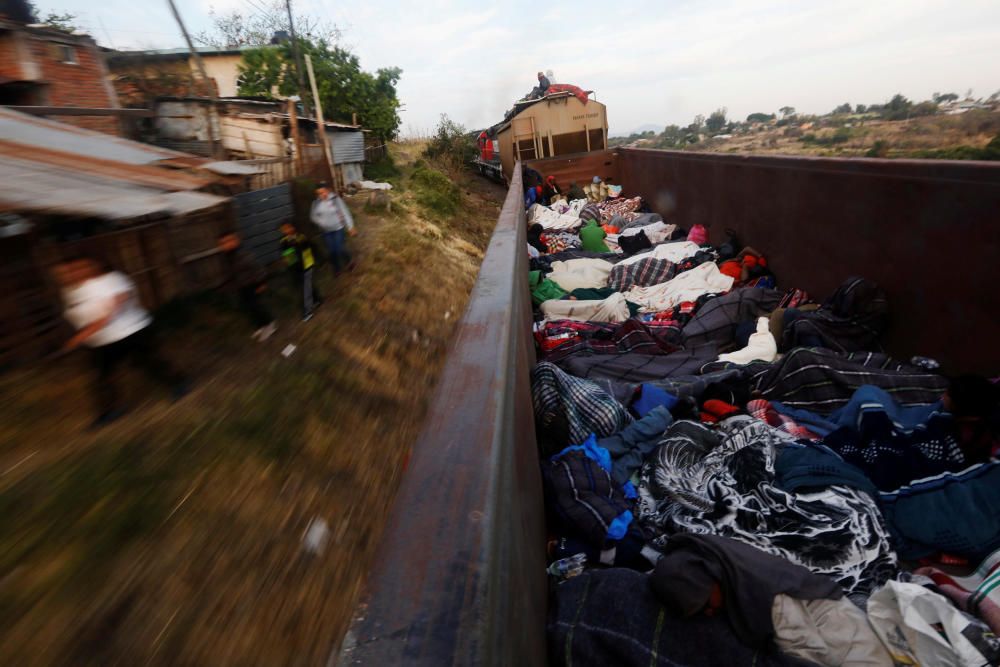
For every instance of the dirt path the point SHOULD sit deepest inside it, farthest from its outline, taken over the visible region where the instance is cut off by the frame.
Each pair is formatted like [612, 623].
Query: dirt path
[174, 536]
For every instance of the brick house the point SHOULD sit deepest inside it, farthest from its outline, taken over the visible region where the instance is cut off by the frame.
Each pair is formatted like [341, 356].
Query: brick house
[44, 67]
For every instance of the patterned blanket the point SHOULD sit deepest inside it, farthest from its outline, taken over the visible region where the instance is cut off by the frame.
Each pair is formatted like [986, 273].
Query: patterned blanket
[721, 482]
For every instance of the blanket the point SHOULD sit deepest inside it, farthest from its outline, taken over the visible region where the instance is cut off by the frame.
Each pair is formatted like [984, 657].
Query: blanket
[629, 336]
[687, 286]
[821, 380]
[723, 483]
[612, 617]
[568, 409]
[612, 309]
[636, 367]
[852, 320]
[718, 319]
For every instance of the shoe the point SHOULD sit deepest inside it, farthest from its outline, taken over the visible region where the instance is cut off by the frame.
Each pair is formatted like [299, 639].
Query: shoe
[307, 317]
[107, 418]
[265, 332]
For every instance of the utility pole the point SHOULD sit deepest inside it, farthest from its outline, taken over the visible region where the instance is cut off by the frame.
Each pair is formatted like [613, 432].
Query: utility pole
[321, 126]
[213, 112]
[298, 58]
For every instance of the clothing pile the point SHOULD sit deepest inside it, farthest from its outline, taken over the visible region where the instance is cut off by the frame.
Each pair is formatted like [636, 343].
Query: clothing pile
[744, 474]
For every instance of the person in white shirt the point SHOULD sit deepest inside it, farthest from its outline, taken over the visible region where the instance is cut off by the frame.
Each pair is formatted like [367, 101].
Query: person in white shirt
[103, 306]
[330, 214]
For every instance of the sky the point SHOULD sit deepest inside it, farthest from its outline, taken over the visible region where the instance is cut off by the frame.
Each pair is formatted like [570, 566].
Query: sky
[656, 62]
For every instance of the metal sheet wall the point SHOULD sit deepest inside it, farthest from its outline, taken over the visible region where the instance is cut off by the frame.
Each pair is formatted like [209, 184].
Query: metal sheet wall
[460, 575]
[347, 146]
[928, 231]
[258, 214]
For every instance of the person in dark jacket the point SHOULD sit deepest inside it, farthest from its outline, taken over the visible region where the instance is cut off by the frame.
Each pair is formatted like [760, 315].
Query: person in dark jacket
[543, 84]
[551, 191]
[249, 280]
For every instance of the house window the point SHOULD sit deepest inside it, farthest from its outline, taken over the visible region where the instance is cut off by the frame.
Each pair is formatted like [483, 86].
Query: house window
[67, 54]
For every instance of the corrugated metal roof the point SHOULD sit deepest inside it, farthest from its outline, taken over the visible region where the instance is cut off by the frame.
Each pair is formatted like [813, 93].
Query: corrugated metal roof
[29, 186]
[348, 147]
[52, 167]
[44, 133]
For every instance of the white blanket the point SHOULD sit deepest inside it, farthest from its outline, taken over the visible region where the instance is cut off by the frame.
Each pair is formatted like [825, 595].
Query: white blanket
[549, 219]
[761, 346]
[674, 252]
[612, 309]
[580, 273]
[688, 286]
[656, 232]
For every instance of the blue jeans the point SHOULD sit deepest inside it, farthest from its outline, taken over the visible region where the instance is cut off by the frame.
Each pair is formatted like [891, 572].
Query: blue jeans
[339, 256]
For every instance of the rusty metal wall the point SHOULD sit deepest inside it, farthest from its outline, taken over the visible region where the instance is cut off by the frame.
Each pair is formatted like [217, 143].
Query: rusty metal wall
[928, 231]
[460, 574]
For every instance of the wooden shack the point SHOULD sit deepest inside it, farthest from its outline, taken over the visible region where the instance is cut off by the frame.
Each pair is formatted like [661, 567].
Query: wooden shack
[69, 192]
[558, 124]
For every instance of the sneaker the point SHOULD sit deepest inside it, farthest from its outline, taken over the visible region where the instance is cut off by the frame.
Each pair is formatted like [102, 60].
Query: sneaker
[307, 317]
[265, 332]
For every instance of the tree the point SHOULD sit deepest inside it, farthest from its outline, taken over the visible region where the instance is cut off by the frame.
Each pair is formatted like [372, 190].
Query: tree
[843, 109]
[344, 88]
[64, 22]
[760, 117]
[672, 136]
[861, 108]
[235, 29]
[787, 112]
[716, 121]
[898, 108]
[938, 98]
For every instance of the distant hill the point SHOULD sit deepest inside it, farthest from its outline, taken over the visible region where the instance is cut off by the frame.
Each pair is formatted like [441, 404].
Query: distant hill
[648, 127]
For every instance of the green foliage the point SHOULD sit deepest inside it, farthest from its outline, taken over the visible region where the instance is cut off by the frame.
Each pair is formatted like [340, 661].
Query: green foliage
[841, 136]
[344, 88]
[925, 109]
[760, 117]
[65, 22]
[787, 112]
[435, 192]
[938, 98]
[451, 144]
[879, 149]
[384, 169]
[716, 121]
[844, 108]
[898, 108]
[990, 151]
[861, 108]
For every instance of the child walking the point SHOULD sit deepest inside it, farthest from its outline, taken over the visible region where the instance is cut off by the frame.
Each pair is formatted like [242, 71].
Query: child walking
[300, 258]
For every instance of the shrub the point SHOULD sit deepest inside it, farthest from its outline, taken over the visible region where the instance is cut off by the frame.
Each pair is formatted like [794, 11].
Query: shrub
[383, 169]
[435, 192]
[879, 149]
[451, 145]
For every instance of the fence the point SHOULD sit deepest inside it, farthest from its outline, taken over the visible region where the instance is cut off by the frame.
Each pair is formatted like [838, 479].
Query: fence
[258, 215]
[279, 170]
[375, 151]
[165, 258]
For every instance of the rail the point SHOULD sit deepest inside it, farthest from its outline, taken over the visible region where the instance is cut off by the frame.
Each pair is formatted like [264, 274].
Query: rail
[460, 575]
